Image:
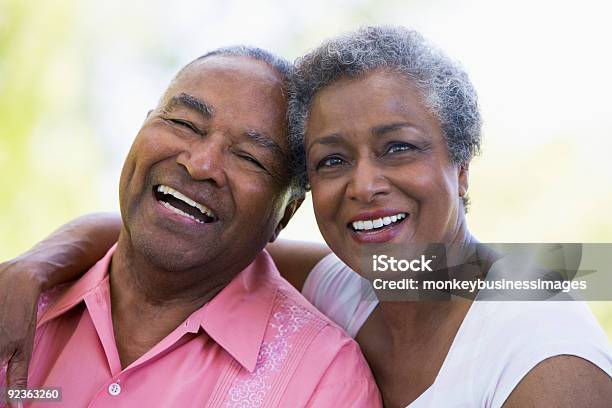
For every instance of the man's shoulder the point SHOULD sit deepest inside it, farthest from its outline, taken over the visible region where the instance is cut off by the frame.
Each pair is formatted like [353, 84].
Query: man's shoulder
[327, 359]
[293, 317]
[289, 299]
[292, 305]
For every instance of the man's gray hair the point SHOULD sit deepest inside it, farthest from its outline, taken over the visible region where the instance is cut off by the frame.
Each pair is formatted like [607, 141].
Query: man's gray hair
[280, 64]
[447, 90]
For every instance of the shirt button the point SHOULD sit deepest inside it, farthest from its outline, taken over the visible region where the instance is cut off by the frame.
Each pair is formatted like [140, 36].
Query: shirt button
[114, 389]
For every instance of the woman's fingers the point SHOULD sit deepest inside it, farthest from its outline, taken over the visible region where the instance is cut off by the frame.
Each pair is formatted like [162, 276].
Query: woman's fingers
[19, 294]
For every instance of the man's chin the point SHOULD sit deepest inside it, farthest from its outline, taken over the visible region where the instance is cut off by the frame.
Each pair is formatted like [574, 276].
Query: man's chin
[169, 254]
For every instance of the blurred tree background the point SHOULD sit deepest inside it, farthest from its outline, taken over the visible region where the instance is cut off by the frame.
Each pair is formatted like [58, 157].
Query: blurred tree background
[47, 153]
[77, 78]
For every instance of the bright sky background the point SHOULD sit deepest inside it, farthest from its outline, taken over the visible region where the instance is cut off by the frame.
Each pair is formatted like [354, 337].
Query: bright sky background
[541, 69]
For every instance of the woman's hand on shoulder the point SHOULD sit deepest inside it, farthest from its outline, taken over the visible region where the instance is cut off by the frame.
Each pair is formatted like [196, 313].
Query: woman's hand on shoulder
[62, 257]
[19, 292]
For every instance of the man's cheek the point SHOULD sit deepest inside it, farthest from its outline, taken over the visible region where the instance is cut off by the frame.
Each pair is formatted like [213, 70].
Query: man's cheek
[127, 175]
[259, 204]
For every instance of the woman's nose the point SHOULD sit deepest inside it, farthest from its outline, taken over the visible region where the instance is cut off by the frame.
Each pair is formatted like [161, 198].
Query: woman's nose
[367, 183]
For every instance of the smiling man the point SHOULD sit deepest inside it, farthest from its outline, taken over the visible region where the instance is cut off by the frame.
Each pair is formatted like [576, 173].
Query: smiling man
[187, 309]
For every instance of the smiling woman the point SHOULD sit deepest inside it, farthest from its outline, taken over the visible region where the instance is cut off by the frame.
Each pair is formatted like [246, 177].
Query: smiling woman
[390, 125]
[381, 132]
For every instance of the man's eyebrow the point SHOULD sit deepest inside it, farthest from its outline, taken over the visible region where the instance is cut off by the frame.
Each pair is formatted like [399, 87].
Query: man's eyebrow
[190, 102]
[265, 141]
[382, 129]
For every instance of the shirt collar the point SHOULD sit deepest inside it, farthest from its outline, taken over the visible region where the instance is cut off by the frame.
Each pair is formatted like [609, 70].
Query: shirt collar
[236, 318]
[76, 293]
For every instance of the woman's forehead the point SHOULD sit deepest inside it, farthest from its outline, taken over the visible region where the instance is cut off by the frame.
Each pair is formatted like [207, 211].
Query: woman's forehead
[360, 102]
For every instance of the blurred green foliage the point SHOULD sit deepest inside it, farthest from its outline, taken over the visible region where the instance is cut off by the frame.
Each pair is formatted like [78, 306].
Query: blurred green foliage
[37, 129]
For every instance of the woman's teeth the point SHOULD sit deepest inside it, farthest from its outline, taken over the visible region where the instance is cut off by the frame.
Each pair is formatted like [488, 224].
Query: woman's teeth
[378, 222]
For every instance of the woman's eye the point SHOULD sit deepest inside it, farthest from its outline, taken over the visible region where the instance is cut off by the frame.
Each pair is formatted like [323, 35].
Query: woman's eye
[399, 147]
[330, 162]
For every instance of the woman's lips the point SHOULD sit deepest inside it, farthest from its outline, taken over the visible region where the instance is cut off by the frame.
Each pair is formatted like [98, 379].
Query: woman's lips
[374, 214]
[376, 223]
[379, 235]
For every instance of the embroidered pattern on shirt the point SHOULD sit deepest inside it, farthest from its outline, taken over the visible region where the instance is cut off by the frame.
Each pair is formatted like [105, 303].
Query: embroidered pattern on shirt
[286, 322]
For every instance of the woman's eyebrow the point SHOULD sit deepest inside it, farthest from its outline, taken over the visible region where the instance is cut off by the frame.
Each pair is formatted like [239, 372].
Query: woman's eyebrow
[331, 139]
[382, 129]
[334, 138]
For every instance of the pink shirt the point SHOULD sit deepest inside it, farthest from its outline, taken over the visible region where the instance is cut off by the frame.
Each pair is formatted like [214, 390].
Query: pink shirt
[258, 343]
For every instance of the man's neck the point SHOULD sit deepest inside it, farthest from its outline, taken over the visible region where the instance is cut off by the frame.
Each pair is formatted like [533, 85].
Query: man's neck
[148, 302]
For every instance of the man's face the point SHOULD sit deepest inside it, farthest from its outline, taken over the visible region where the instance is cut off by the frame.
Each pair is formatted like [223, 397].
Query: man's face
[205, 182]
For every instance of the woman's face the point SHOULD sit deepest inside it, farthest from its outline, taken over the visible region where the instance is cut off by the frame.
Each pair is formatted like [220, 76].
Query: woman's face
[379, 167]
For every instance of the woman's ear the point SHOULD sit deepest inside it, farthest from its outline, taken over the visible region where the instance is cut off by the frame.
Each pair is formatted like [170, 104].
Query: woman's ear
[463, 179]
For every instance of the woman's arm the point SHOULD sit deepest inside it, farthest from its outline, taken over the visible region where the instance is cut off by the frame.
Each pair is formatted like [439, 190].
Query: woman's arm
[64, 256]
[295, 259]
[70, 251]
[563, 381]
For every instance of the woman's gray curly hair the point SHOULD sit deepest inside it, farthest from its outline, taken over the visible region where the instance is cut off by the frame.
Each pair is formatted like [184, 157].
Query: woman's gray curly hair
[447, 90]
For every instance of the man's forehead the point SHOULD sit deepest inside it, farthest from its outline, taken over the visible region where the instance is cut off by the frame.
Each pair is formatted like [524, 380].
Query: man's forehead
[240, 67]
[239, 82]
[245, 89]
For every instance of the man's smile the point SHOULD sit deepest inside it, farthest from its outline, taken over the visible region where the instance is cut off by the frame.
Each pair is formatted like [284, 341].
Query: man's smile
[182, 205]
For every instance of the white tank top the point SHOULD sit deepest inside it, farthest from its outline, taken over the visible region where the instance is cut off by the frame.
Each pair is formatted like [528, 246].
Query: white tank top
[497, 344]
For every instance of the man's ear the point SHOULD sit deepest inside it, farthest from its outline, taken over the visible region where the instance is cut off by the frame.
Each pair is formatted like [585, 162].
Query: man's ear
[148, 115]
[463, 179]
[290, 210]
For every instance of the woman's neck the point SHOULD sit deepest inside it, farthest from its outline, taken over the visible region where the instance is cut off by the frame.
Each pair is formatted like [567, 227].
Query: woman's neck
[404, 321]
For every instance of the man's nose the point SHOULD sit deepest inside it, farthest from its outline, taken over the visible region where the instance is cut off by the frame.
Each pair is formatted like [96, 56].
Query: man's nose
[367, 183]
[205, 160]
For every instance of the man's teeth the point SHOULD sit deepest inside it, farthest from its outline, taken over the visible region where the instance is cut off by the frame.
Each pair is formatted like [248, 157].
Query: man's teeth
[176, 210]
[184, 198]
[378, 222]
